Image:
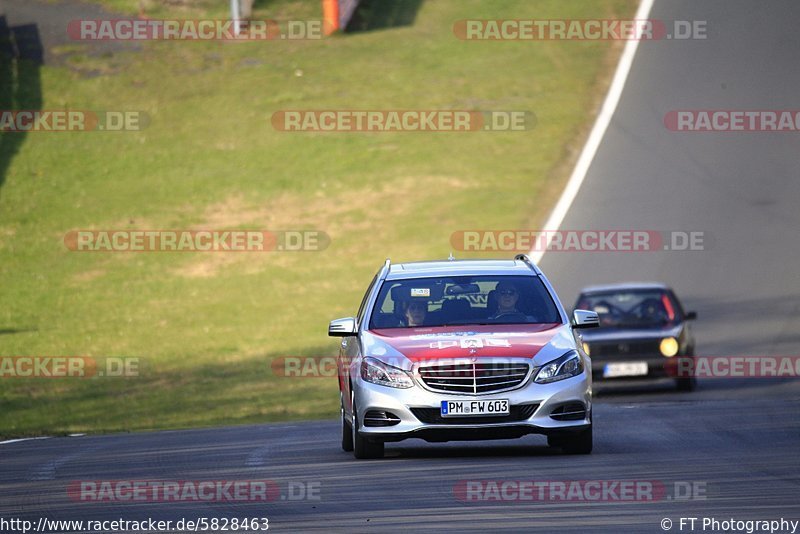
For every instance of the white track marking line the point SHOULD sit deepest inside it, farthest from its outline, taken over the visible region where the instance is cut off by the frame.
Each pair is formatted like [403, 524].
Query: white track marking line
[9, 441]
[596, 135]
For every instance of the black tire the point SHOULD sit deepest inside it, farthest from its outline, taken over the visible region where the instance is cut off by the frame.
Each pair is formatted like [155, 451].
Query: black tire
[363, 449]
[580, 443]
[347, 433]
[686, 384]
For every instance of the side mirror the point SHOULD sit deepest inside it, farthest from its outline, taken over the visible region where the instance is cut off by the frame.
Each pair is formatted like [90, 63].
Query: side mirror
[690, 316]
[342, 327]
[585, 319]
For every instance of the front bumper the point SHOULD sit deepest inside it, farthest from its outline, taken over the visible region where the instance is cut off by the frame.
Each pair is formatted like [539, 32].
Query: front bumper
[549, 398]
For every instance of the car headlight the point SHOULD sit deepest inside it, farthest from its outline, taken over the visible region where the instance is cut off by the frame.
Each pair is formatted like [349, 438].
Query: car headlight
[377, 372]
[669, 347]
[570, 364]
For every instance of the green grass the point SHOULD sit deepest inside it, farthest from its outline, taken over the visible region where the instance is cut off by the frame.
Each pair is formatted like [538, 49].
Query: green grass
[206, 326]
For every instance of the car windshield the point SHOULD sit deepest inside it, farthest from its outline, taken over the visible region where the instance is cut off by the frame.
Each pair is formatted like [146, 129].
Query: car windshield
[630, 309]
[463, 300]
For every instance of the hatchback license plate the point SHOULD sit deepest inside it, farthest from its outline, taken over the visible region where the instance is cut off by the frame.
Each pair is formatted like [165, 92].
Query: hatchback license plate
[455, 408]
[613, 370]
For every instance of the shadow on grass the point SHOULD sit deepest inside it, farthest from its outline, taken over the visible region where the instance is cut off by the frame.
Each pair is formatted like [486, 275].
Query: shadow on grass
[373, 15]
[21, 57]
[9, 331]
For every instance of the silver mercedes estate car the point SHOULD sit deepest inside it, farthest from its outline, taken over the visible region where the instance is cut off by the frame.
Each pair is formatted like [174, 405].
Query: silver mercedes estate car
[463, 350]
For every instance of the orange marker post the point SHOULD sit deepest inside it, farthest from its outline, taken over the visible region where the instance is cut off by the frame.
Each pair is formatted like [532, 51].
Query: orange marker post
[330, 16]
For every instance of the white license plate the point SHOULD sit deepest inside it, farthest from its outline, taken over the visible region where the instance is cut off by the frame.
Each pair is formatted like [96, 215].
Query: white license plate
[613, 370]
[452, 408]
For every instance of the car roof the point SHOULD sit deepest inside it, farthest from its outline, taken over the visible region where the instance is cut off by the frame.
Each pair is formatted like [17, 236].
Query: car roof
[422, 269]
[625, 286]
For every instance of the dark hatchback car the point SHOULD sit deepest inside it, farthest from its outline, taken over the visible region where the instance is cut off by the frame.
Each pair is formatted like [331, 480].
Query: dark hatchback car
[643, 332]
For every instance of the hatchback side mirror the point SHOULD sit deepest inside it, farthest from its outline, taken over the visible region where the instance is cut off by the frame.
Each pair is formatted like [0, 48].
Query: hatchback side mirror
[585, 319]
[342, 327]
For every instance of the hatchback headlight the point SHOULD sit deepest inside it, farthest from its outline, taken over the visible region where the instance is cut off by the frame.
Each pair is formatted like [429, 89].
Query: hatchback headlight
[669, 347]
[377, 372]
[570, 364]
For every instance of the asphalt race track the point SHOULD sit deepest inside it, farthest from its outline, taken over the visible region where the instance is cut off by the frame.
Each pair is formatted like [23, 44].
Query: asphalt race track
[734, 441]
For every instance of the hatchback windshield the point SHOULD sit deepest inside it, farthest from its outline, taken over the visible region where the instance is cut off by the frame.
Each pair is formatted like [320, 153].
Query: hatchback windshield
[462, 300]
[630, 309]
